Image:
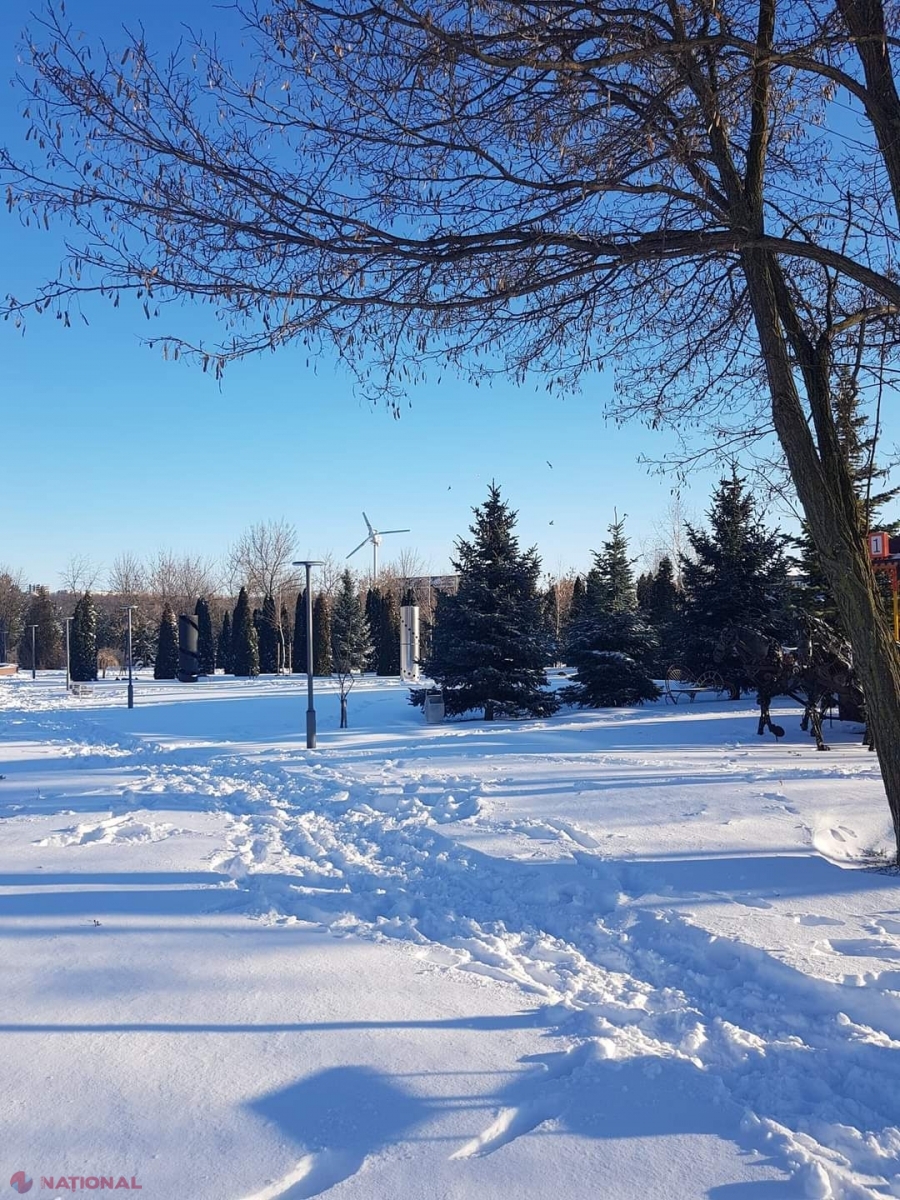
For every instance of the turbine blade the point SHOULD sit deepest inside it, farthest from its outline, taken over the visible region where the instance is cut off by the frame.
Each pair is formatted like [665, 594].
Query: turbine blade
[396, 531]
[359, 547]
[368, 525]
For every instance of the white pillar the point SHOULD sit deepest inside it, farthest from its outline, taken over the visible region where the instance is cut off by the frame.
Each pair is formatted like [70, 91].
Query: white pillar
[409, 641]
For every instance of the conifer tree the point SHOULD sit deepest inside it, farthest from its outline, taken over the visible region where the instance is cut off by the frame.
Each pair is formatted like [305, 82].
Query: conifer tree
[83, 641]
[267, 630]
[373, 611]
[166, 664]
[245, 650]
[351, 639]
[321, 636]
[225, 651]
[388, 637]
[490, 647]
[48, 644]
[299, 659]
[206, 645]
[611, 645]
[659, 600]
[737, 577]
[285, 640]
[814, 594]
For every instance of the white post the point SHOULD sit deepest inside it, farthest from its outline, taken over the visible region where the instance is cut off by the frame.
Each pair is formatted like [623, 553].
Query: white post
[409, 641]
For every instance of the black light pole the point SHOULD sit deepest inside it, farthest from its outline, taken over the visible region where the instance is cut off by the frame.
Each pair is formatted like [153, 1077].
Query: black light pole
[68, 621]
[33, 657]
[128, 608]
[309, 563]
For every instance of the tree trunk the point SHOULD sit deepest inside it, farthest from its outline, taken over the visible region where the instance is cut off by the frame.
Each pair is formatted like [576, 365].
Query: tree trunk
[821, 477]
[343, 712]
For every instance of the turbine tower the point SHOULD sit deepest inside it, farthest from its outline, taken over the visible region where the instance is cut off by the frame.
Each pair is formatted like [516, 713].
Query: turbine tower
[374, 536]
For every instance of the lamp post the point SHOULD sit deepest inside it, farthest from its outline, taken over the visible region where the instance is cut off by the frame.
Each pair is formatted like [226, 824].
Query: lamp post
[68, 621]
[128, 608]
[33, 653]
[309, 563]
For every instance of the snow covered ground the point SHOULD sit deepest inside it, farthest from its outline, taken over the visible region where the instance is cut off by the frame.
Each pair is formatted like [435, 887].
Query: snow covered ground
[627, 955]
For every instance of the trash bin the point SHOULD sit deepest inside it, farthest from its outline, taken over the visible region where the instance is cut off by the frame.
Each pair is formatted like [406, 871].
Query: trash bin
[434, 707]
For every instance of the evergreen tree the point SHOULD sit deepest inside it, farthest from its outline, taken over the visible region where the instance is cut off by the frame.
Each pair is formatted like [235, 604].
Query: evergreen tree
[285, 640]
[351, 640]
[83, 641]
[611, 644]
[166, 664]
[206, 645]
[225, 652]
[245, 650]
[643, 589]
[661, 608]
[48, 644]
[299, 659]
[373, 612]
[738, 577]
[267, 629]
[813, 592]
[321, 636]
[577, 610]
[388, 637]
[490, 647]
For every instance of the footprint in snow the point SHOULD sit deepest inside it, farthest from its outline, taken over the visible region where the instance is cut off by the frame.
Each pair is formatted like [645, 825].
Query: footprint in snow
[314, 1174]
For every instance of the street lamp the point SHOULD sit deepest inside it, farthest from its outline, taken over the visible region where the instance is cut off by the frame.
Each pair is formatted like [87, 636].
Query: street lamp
[309, 563]
[68, 621]
[128, 608]
[33, 653]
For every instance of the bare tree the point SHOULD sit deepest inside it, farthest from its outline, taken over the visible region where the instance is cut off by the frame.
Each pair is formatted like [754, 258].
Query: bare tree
[79, 574]
[12, 609]
[515, 188]
[261, 558]
[127, 577]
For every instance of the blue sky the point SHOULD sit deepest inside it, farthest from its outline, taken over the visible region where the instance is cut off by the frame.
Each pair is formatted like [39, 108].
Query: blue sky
[108, 448]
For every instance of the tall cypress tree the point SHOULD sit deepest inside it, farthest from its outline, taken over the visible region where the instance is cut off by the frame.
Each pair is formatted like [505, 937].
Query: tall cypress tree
[738, 576]
[285, 640]
[267, 628]
[245, 651]
[206, 645]
[48, 645]
[83, 641]
[225, 655]
[321, 636]
[166, 664]
[387, 647]
[300, 634]
[611, 644]
[490, 647]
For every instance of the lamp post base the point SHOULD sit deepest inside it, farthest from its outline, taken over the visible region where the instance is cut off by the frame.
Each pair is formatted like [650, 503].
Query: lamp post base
[131, 695]
[310, 729]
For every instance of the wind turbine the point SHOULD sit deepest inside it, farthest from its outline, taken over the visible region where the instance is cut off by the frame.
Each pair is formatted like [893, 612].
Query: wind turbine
[374, 536]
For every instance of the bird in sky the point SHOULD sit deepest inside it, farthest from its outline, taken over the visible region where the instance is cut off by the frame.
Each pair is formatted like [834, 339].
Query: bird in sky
[549, 463]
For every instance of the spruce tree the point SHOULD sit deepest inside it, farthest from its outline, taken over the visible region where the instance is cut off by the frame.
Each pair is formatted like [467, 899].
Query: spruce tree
[166, 664]
[83, 641]
[387, 647]
[48, 644]
[245, 650]
[299, 659]
[611, 644]
[738, 577]
[489, 647]
[267, 629]
[225, 651]
[351, 640]
[321, 636]
[206, 645]
[813, 592]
